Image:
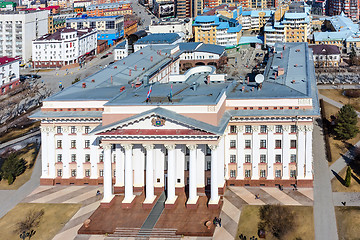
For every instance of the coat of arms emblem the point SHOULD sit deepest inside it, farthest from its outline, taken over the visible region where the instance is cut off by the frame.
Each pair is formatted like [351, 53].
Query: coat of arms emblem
[158, 122]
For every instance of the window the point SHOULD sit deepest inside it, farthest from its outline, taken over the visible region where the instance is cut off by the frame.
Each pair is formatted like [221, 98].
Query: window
[208, 150]
[87, 173]
[208, 181]
[232, 173]
[73, 157]
[87, 129]
[262, 158]
[247, 143]
[58, 130]
[87, 157]
[59, 172]
[278, 173]
[58, 144]
[73, 173]
[208, 165]
[248, 129]
[292, 143]
[277, 143]
[187, 151]
[232, 158]
[87, 143]
[101, 173]
[59, 157]
[293, 129]
[278, 158]
[247, 158]
[232, 143]
[232, 129]
[263, 129]
[73, 143]
[73, 129]
[262, 143]
[262, 173]
[278, 129]
[101, 158]
[247, 173]
[292, 173]
[293, 158]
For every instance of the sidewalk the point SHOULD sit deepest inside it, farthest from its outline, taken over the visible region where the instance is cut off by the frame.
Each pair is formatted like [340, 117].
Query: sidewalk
[11, 142]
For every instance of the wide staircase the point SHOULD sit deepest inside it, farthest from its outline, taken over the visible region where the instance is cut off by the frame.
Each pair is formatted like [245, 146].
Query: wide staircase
[138, 233]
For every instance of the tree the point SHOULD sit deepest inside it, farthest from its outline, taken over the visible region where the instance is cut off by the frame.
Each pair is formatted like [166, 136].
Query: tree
[348, 177]
[346, 123]
[31, 221]
[13, 167]
[276, 219]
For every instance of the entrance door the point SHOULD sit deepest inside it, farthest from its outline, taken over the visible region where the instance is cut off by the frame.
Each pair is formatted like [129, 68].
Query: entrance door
[165, 182]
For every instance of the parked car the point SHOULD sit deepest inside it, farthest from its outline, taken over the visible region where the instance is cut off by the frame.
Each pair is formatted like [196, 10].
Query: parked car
[33, 76]
[111, 62]
[105, 56]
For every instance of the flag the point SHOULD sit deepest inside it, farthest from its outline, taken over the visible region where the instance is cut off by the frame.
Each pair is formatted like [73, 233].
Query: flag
[171, 91]
[149, 93]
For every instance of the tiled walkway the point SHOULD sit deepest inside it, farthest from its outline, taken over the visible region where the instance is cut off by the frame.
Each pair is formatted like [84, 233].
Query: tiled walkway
[236, 197]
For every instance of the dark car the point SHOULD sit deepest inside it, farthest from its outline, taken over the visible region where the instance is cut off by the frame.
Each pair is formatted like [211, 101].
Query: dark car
[33, 76]
[111, 62]
[105, 56]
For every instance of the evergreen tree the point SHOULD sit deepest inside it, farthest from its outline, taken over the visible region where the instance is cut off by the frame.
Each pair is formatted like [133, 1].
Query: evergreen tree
[346, 123]
[348, 177]
[13, 167]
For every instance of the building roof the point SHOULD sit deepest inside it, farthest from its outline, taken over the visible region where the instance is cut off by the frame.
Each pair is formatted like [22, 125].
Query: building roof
[251, 39]
[107, 5]
[5, 60]
[324, 49]
[58, 33]
[343, 23]
[255, 13]
[331, 36]
[84, 17]
[159, 38]
[121, 45]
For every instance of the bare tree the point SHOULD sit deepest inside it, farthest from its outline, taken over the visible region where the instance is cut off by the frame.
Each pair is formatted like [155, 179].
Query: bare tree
[31, 221]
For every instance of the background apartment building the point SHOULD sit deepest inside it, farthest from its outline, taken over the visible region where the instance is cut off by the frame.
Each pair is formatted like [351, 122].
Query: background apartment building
[18, 29]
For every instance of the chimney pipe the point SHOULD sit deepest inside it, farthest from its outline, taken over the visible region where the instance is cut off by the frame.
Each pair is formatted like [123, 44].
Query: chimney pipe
[129, 72]
[151, 58]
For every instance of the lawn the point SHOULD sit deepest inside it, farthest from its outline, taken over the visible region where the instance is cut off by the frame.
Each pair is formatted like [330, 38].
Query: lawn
[338, 182]
[29, 153]
[55, 217]
[18, 132]
[249, 219]
[336, 94]
[348, 221]
[337, 147]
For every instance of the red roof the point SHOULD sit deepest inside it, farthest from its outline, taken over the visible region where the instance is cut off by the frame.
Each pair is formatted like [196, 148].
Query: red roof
[6, 60]
[170, 132]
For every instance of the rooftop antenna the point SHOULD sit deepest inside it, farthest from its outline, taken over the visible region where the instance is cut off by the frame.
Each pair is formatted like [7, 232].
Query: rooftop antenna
[259, 79]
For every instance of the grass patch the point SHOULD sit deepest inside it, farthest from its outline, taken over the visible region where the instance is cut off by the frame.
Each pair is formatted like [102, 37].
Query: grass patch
[337, 147]
[336, 94]
[348, 221]
[249, 219]
[338, 182]
[18, 132]
[55, 217]
[29, 153]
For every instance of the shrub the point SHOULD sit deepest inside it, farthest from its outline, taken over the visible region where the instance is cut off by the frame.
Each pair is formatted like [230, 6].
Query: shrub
[352, 93]
[348, 177]
[10, 179]
[346, 127]
[13, 167]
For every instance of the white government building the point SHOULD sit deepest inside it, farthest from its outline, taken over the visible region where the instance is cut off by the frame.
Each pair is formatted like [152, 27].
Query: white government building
[196, 132]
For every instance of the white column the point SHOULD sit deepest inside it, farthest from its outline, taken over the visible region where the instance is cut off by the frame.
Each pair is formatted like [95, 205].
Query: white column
[51, 152]
[192, 175]
[221, 163]
[300, 153]
[119, 166]
[171, 198]
[94, 158]
[44, 153]
[150, 197]
[255, 153]
[66, 153]
[309, 156]
[214, 199]
[286, 152]
[80, 153]
[139, 166]
[159, 166]
[200, 166]
[180, 166]
[270, 152]
[240, 152]
[129, 195]
[108, 193]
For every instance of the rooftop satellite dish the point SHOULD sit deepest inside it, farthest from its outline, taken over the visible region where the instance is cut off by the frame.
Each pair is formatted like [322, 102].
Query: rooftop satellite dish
[259, 78]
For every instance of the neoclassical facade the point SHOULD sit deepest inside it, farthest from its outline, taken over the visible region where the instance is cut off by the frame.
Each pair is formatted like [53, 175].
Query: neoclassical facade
[191, 133]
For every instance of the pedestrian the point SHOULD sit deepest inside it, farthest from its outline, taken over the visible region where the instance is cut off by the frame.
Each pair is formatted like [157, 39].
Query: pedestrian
[219, 221]
[98, 193]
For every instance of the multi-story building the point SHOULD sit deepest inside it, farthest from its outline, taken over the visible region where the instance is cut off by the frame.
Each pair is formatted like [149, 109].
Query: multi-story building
[109, 28]
[349, 7]
[183, 9]
[255, 20]
[173, 25]
[17, 29]
[158, 38]
[121, 50]
[130, 27]
[194, 131]
[9, 74]
[217, 29]
[66, 46]
[80, 6]
[326, 55]
[7, 6]
[258, 4]
[109, 9]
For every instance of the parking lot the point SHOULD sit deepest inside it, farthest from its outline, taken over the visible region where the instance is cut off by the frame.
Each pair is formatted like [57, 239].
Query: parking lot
[338, 78]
